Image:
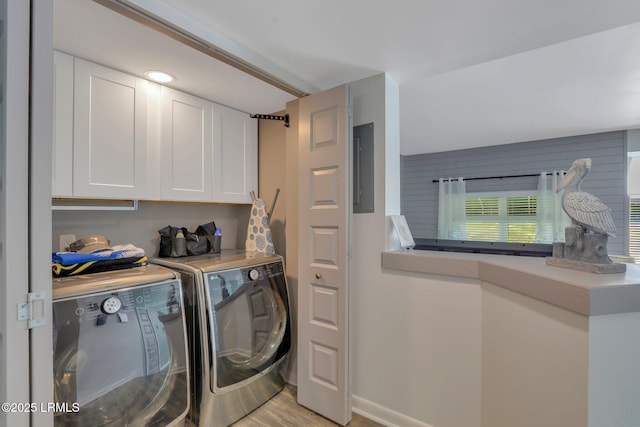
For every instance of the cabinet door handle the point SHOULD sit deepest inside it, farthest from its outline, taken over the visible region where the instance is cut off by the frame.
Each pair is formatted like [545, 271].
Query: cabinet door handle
[318, 276]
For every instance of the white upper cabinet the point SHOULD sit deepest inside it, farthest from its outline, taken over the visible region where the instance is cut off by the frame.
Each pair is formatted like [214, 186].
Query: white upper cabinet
[209, 152]
[235, 158]
[109, 139]
[117, 136]
[62, 168]
[186, 148]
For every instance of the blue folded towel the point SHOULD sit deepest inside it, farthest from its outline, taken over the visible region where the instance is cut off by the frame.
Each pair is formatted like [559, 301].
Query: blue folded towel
[116, 252]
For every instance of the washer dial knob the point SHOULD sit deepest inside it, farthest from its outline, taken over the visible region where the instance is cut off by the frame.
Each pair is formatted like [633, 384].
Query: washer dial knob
[111, 305]
[254, 275]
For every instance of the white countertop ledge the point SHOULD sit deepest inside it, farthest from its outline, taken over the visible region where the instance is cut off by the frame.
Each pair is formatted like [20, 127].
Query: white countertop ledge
[585, 293]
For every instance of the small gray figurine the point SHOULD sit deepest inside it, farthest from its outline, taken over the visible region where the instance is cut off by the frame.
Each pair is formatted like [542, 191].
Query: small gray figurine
[586, 238]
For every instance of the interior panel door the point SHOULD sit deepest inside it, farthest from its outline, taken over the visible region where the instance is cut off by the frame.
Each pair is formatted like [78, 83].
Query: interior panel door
[323, 286]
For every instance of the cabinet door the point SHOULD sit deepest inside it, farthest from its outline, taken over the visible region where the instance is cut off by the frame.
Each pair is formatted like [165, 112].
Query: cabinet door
[187, 143]
[235, 157]
[109, 133]
[62, 168]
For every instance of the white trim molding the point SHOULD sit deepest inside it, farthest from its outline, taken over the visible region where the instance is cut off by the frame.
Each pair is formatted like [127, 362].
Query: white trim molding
[382, 415]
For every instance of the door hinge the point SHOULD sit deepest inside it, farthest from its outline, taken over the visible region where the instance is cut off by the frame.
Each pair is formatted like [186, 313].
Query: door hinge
[33, 311]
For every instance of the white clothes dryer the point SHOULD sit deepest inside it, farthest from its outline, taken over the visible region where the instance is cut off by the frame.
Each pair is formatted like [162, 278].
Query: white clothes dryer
[239, 331]
[120, 349]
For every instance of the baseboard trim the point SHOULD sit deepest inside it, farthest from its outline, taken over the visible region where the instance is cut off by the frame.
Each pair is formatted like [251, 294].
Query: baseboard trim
[382, 415]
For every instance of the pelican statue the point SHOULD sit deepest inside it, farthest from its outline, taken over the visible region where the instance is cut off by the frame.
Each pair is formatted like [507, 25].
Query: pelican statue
[584, 209]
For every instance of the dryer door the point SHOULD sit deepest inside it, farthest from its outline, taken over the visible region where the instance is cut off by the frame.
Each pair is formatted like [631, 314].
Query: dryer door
[250, 318]
[120, 357]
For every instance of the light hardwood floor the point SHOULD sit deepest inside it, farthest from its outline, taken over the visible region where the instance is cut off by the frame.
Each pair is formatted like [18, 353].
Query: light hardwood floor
[283, 411]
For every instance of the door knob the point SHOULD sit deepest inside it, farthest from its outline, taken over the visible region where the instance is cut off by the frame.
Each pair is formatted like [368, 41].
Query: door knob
[318, 276]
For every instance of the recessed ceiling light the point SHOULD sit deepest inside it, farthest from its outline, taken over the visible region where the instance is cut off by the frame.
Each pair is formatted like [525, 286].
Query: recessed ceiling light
[159, 76]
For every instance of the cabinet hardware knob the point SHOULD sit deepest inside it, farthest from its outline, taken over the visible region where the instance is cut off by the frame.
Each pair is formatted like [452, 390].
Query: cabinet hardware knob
[318, 276]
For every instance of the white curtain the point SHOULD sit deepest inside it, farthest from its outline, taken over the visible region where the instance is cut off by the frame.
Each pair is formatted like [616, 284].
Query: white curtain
[550, 217]
[451, 209]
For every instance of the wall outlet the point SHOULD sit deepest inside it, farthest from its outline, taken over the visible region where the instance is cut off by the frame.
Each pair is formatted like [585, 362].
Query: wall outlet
[66, 240]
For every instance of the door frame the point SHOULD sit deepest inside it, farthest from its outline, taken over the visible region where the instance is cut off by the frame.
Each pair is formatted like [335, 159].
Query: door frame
[25, 209]
[14, 248]
[40, 221]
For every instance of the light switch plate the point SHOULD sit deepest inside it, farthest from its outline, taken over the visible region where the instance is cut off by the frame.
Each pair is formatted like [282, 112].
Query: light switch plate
[66, 240]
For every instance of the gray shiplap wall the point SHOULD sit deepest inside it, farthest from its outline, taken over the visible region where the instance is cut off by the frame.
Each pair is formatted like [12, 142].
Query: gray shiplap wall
[606, 179]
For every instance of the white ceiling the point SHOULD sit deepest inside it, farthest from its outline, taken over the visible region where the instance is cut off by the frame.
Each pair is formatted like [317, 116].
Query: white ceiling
[470, 72]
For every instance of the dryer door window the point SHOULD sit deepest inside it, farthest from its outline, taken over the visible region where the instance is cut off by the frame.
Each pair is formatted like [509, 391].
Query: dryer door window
[250, 318]
[120, 357]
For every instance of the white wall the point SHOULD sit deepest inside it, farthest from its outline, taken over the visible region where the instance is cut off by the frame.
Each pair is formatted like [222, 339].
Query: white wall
[633, 163]
[415, 341]
[417, 349]
[535, 362]
[614, 380]
[141, 227]
[633, 140]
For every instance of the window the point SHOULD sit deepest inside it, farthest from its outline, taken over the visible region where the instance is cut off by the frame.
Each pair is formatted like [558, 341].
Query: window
[634, 228]
[504, 217]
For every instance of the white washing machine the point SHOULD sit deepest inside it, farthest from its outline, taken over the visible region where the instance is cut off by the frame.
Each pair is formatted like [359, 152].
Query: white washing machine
[120, 349]
[239, 331]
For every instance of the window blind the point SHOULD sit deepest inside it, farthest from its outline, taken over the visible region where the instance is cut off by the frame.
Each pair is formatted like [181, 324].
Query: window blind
[501, 218]
[634, 228]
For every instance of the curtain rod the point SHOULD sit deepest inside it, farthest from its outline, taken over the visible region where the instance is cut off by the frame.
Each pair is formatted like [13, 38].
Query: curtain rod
[495, 177]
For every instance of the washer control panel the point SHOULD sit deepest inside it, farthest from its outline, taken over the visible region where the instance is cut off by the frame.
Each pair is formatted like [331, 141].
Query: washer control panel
[111, 305]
